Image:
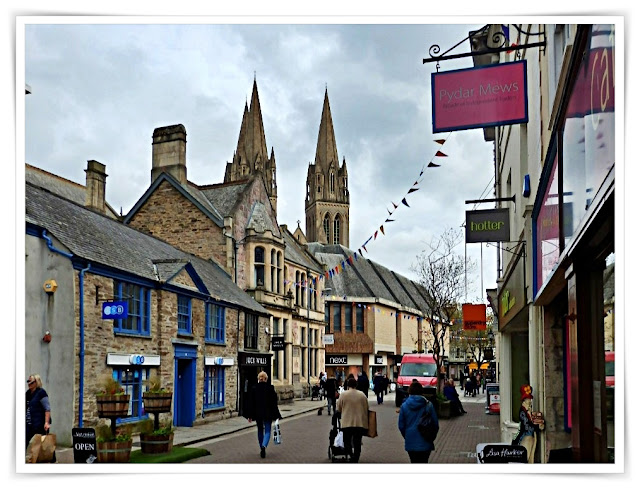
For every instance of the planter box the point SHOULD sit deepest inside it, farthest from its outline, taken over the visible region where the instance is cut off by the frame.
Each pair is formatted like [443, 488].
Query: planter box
[113, 406]
[114, 452]
[157, 402]
[156, 443]
[444, 409]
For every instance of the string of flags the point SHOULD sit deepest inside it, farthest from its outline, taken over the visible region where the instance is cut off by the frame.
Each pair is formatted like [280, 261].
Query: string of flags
[414, 188]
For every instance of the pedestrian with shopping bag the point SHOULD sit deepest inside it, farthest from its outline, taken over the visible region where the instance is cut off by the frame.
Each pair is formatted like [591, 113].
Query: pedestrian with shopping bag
[412, 413]
[38, 422]
[353, 407]
[262, 407]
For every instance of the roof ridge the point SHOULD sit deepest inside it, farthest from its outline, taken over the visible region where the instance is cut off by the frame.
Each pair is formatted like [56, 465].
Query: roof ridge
[58, 177]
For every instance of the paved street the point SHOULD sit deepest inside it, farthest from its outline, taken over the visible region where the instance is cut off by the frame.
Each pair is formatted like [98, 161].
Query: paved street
[306, 439]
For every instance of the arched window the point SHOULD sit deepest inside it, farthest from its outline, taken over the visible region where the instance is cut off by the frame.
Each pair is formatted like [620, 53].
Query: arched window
[332, 182]
[258, 263]
[279, 277]
[303, 290]
[297, 286]
[325, 225]
[274, 275]
[336, 230]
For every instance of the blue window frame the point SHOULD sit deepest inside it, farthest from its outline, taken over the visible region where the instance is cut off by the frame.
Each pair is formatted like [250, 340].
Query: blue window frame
[213, 387]
[215, 323]
[139, 309]
[133, 380]
[184, 314]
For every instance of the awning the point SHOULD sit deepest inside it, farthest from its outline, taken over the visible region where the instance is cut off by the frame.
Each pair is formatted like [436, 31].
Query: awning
[484, 366]
[473, 366]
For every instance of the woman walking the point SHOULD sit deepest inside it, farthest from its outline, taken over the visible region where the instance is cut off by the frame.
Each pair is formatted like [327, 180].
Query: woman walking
[411, 412]
[263, 408]
[353, 407]
[38, 409]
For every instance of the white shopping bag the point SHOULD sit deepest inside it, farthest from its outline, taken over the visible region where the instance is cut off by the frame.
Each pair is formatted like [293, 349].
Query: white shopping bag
[277, 435]
[339, 441]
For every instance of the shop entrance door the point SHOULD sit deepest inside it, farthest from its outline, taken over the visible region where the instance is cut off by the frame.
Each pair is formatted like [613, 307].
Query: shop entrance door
[185, 390]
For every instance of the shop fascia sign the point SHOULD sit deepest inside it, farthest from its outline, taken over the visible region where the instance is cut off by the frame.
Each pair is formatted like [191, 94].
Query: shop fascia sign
[487, 96]
[491, 225]
[336, 360]
[220, 361]
[148, 360]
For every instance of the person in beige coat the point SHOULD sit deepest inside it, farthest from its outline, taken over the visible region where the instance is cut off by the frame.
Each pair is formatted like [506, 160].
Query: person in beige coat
[353, 407]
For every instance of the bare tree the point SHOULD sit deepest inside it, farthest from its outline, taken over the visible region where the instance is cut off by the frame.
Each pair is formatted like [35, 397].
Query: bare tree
[442, 271]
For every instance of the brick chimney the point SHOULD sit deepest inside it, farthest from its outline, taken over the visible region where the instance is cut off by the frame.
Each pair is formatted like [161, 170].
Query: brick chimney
[96, 185]
[169, 152]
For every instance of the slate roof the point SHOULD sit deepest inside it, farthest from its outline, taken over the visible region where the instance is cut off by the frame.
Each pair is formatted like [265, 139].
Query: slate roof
[224, 196]
[295, 252]
[101, 240]
[260, 220]
[367, 278]
[73, 191]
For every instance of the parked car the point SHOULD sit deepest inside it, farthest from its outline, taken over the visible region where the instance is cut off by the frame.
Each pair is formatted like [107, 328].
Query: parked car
[418, 366]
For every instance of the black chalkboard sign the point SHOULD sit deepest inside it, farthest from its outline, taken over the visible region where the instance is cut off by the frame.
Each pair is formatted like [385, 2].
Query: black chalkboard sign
[502, 454]
[85, 450]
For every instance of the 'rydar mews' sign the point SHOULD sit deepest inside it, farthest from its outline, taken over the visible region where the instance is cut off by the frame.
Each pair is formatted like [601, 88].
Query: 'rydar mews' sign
[490, 225]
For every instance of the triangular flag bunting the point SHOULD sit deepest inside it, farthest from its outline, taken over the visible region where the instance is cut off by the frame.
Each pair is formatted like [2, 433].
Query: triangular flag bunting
[355, 255]
[431, 165]
[390, 220]
[413, 190]
[375, 235]
[404, 201]
[440, 141]
[382, 229]
[389, 211]
[359, 251]
[364, 248]
[440, 153]
[421, 172]
[394, 206]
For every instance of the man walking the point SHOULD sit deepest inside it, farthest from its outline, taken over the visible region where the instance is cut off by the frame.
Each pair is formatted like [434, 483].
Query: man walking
[353, 407]
[363, 383]
[330, 390]
[378, 386]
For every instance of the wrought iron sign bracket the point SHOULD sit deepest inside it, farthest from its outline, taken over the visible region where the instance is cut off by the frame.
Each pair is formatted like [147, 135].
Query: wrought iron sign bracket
[499, 39]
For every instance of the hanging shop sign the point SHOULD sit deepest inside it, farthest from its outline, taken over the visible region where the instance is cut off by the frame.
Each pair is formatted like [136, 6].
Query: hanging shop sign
[327, 339]
[490, 225]
[336, 360]
[487, 96]
[378, 360]
[277, 343]
[115, 310]
[474, 317]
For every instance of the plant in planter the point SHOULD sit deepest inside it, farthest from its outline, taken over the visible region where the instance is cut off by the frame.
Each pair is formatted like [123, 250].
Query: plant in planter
[111, 399]
[443, 406]
[156, 440]
[113, 447]
[156, 399]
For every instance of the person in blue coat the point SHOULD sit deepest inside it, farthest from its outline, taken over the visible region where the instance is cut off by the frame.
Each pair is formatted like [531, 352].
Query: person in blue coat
[411, 411]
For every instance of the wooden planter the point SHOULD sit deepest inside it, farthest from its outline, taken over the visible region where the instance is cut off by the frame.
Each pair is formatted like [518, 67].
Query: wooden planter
[157, 402]
[113, 406]
[114, 452]
[156, 443]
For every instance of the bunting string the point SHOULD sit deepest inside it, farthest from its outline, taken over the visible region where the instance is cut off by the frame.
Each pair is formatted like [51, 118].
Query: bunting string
[414, 188]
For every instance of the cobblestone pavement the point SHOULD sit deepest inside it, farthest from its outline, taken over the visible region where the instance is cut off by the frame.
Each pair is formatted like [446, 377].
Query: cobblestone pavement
[306, 439]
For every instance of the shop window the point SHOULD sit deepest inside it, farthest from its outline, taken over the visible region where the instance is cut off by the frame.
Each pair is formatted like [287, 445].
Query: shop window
[215, 323]
[139, 310]
[336, 318]
[133, 380]
[214, 387]
[251, 331]
[276, 354]
[184, 314]
[548, 229]
[589, 128]
[348, 328]
[360, 319]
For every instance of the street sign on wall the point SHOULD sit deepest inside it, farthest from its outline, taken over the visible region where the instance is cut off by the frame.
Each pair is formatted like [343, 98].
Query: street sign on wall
[471, 98]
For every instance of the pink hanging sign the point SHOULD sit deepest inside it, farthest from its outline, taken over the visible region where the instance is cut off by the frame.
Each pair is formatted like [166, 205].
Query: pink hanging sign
[471, 98]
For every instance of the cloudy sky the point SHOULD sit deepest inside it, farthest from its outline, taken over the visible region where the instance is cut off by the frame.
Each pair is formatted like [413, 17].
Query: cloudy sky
[99, 90]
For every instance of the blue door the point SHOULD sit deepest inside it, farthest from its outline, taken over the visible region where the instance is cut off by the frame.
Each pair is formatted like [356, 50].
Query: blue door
[185, 390]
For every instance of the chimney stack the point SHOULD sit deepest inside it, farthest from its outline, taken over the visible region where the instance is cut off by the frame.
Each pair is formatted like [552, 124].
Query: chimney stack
[96, 185]
[169, 152]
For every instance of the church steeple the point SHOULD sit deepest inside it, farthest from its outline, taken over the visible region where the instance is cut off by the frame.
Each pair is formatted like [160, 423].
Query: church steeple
[251, 155]
[327, 199]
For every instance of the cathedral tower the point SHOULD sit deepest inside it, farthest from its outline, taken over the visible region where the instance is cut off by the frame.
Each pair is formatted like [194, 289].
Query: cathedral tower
[251, 156]
[327, 201]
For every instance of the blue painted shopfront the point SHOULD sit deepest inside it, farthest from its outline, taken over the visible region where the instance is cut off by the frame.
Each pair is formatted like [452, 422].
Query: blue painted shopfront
[185, 390]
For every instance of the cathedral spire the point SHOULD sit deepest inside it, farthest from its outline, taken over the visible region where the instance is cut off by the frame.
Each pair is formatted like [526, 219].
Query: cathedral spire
[326, 151]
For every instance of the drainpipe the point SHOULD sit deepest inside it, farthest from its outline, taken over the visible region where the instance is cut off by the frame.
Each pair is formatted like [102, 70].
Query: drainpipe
[81, 354]
[52, 248]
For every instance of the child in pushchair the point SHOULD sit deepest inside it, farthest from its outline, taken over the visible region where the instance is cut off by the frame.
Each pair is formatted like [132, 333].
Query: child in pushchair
[336, 454]
[316, 393]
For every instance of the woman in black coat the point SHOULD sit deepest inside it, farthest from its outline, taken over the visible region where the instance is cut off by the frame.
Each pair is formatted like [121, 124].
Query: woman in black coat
[38, 417]
[263, 408]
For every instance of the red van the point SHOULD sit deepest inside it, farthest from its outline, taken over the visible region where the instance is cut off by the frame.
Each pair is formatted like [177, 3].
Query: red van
[420, 366]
